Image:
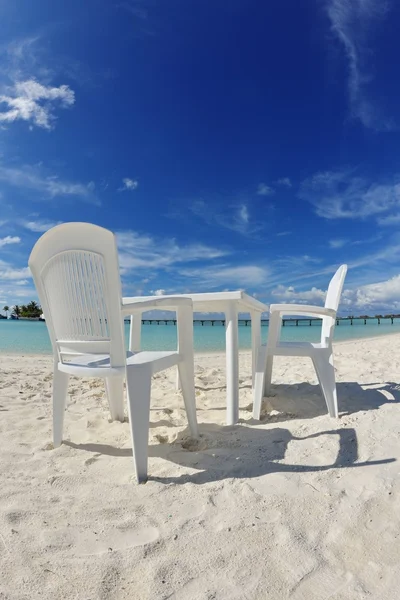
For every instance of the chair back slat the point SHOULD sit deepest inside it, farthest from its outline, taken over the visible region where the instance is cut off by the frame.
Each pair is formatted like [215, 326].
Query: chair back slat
[76, 273]
[332, 301]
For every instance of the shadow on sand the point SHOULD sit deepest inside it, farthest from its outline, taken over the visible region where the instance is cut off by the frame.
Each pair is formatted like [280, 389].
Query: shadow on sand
[245, 452]
[305, 401]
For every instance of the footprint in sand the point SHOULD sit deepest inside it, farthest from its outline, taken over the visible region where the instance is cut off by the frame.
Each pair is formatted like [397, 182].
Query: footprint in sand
[66, 484]
[15, 516]
[92, 543]
[162, 439]
[91, 460]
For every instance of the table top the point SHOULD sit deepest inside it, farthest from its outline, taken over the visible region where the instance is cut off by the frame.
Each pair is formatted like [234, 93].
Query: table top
[208, 302]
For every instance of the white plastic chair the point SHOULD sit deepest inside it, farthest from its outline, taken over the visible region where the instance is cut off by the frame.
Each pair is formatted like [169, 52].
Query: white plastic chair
[76, 273]
[321, 353]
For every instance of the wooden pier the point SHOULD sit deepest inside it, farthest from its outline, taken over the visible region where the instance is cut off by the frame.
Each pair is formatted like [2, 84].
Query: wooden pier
[290, 322]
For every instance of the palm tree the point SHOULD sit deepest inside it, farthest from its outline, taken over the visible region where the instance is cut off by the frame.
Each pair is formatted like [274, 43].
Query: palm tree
[6, 309]
[33, 309]
[17, 310]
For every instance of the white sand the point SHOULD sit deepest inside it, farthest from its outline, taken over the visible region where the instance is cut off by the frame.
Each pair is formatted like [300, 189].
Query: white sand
[300, 506]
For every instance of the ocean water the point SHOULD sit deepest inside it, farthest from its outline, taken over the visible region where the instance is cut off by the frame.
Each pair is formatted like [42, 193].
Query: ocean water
[31, 337]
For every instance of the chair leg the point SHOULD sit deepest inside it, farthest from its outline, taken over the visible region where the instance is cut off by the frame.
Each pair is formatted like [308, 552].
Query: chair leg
[138, 386]
[323, 362]
[186, 376]
[268, 374]
[178, 380]
[275, 324]
[115, 397]
[60, 388]
[259, 382]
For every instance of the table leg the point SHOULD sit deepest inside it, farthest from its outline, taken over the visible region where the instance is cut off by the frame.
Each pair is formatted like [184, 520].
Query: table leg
[232, 363]
[135, 332]
[255, 340]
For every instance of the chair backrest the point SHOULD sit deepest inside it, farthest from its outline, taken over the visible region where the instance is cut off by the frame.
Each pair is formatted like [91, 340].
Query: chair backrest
[76, 273]
[332, 301]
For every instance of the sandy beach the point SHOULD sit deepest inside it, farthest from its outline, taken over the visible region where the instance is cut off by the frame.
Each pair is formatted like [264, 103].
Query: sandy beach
[297, 506]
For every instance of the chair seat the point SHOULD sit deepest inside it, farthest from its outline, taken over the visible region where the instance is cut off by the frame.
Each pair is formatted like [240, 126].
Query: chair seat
[307, 345]
[296, 348]
[98, 365]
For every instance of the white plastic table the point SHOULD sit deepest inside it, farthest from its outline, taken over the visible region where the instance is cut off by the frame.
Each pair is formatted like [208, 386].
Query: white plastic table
[229, 303]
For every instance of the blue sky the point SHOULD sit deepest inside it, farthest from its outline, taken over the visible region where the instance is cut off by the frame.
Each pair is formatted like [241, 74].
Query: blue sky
[241, 144]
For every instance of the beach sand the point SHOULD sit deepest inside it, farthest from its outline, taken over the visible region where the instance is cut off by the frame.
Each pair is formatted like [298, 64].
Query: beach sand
[298, 506]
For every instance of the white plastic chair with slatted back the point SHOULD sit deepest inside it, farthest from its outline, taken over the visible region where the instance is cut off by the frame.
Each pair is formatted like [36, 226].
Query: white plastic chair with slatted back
[321, 353]
[76, 273]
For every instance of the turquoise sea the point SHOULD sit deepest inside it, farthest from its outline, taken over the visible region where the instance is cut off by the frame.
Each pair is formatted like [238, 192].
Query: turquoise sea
[32, 337]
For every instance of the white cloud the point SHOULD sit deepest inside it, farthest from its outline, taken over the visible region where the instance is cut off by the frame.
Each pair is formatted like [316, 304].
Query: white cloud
[8, 273]
[384, 295]
[9, 240]
[342, 195]
[289, 294]
[352, 21]
[21, 282]
[370, 298]
[159, 292]
[39, 226]
[144, 251]
[337, 243]
[285, 182]
[14, 283]
[128, 185]
[283, 233]
[33, 102]
[265, 190]
[51, 186]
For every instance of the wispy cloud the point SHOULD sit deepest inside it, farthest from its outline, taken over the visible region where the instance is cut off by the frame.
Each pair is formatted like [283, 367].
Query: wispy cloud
[237, 277]
[390, 219]
[9, 240]
[337, 243]
[39, 226]
[243, 214]
[145, 251]
[128, 185]
[33, 102]
[342, 195]
[240, 221]
[294, 262]
[352, 22]
[284, 182]
[49, 186]
[135, 8]
[265, 190]
[235, 217]
[283, 233]
[21, 59]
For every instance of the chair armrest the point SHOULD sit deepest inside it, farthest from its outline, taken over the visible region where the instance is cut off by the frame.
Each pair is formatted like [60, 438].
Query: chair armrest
[302, 309]
[144, 303]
